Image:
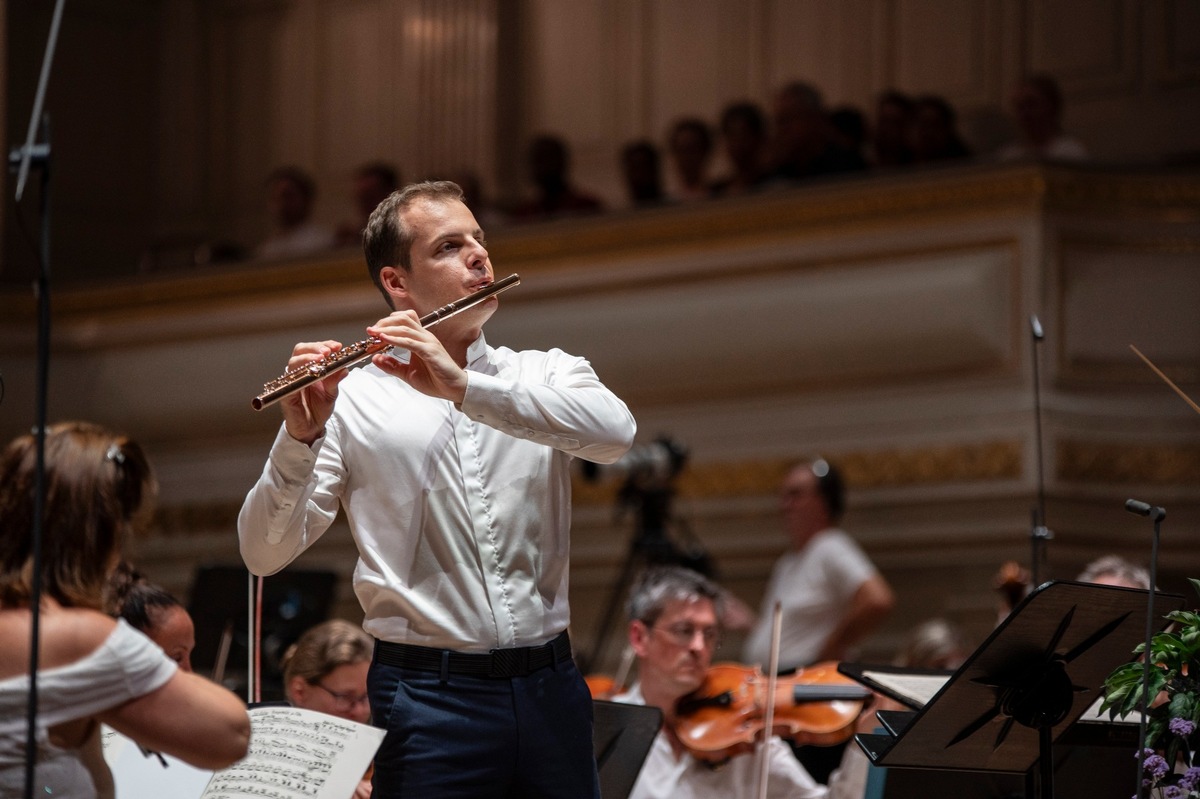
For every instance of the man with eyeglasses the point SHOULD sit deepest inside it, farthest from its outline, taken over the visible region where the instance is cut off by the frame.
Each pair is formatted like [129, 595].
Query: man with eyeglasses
[674, 631]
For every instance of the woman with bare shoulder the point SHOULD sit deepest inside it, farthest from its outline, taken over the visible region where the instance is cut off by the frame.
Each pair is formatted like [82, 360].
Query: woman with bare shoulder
[92, 669]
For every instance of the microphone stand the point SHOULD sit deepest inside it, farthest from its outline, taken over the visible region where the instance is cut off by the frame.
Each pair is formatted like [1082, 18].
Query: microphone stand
[1039, 534]
[1157, 514]
[24, 159]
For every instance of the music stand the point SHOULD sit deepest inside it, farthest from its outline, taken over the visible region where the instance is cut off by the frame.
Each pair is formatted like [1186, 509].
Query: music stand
[1034, 676]
[622, 736]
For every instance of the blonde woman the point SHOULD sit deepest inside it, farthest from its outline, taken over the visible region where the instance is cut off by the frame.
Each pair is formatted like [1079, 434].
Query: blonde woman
[326, 671]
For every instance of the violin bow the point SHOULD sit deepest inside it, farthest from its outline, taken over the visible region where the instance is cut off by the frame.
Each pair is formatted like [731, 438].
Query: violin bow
[1166, 379]
[764, 746]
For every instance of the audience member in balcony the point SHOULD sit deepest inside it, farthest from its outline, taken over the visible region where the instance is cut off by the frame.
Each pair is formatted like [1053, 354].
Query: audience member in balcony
[475, 198]
[1037, 106]
[290, 196]
[371, 184]
[642, 171]
[891, 143]
[92, 669]
[830, 593]
[690, 147]
[802, 146]
[153, 611]
[549, 162]
[744, 139]
[848, 128]
[935, 134]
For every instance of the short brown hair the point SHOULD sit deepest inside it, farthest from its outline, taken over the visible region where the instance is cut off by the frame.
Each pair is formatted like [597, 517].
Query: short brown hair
[386, 242]
[325, 647]
[97, 485]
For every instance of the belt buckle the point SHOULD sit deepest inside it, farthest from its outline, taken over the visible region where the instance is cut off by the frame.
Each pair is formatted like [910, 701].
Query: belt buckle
[509, 662]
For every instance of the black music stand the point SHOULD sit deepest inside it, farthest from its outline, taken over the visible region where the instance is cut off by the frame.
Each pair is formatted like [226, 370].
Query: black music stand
[622, 736]
[1034, 676]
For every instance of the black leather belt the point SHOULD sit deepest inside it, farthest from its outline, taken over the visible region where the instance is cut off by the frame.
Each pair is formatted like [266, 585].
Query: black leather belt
[497, 664]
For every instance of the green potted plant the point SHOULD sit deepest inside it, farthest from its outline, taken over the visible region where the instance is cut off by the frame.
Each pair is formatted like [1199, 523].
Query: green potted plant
[1174, 714]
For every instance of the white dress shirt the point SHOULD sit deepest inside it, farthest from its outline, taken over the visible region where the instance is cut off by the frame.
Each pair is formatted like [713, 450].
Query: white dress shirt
[665, 775]
[461, 515]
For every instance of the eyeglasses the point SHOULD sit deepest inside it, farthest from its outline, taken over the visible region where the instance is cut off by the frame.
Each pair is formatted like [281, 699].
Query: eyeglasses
[683, 634]
[344, 701]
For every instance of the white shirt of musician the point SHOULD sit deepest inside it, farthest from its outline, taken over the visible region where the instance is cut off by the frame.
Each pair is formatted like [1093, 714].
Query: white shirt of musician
[461, 515]
[666, 776]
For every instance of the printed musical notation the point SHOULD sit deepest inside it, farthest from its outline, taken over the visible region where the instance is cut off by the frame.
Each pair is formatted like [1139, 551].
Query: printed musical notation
[298, 754]
[293, 754]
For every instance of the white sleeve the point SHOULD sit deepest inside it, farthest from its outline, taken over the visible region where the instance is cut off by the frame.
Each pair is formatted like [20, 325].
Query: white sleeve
[294, 501]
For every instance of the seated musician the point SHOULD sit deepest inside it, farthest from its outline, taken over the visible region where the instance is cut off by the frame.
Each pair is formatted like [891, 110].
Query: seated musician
[674, 630]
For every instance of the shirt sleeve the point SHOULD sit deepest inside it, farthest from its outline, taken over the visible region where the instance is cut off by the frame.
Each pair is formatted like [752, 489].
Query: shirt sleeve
[292, 504]
[787, 777]
[845, 565]
[568, 409]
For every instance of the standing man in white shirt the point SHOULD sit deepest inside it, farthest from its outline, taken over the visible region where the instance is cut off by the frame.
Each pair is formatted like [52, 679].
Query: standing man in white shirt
[451, 461]
[830, 593]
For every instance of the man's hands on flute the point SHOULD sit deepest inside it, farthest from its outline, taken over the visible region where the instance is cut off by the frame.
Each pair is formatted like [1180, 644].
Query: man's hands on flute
[306, 411]
[430, 368]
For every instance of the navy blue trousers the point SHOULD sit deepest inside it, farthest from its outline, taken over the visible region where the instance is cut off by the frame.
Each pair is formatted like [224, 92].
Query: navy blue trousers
[473, 737]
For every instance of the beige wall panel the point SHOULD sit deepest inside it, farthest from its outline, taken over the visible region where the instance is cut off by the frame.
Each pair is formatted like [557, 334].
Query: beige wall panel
[181, 180]
[1115, 297]
[447, 85]
[573, 85]
[361, 94]
[943, 47]
[258, 117]
[1173, 29]
[1091, 46]
[699, 59]
[786, 311]
[827, 43]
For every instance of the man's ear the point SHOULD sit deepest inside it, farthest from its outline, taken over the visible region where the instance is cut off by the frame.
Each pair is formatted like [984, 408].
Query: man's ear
[394, 281]
[639, 637]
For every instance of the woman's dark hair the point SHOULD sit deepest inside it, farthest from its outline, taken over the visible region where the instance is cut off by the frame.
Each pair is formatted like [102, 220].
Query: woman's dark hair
[97, 486]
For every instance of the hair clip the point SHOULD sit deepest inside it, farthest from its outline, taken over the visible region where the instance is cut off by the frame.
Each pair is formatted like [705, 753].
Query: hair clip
[115, 454]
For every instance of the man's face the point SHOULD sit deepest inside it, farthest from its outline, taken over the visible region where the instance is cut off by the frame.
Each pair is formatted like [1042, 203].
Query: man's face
[289, 204]
[678, 648]
[449, 260]
[801, 503]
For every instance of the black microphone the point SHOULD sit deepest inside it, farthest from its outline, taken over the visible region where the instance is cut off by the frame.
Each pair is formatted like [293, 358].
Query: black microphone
[1145, 509]
[1036, 326]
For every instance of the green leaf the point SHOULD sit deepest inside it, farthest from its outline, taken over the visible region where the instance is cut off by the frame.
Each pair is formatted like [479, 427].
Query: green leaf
[1195, 584]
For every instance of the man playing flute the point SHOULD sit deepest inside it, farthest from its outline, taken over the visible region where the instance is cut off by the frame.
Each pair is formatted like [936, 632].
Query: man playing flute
[451, 460]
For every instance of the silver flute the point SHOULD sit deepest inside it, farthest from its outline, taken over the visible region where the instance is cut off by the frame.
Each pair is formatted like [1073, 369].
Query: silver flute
[354, 354]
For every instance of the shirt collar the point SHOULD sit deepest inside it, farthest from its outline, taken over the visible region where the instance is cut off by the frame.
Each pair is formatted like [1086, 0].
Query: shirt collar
[477, 349]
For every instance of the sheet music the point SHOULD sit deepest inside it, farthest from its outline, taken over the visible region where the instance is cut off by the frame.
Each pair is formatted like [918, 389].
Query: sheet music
[919, 688]
[298, 754]
[293, 754]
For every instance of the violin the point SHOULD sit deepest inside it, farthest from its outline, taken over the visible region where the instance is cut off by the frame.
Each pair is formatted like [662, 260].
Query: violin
[726, 715]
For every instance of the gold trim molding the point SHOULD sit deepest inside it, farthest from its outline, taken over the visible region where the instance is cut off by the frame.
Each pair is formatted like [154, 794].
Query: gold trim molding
[1099, 462]
[864, 469]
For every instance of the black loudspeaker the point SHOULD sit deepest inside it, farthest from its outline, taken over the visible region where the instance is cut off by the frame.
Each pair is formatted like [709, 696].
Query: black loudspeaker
[293, 601]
